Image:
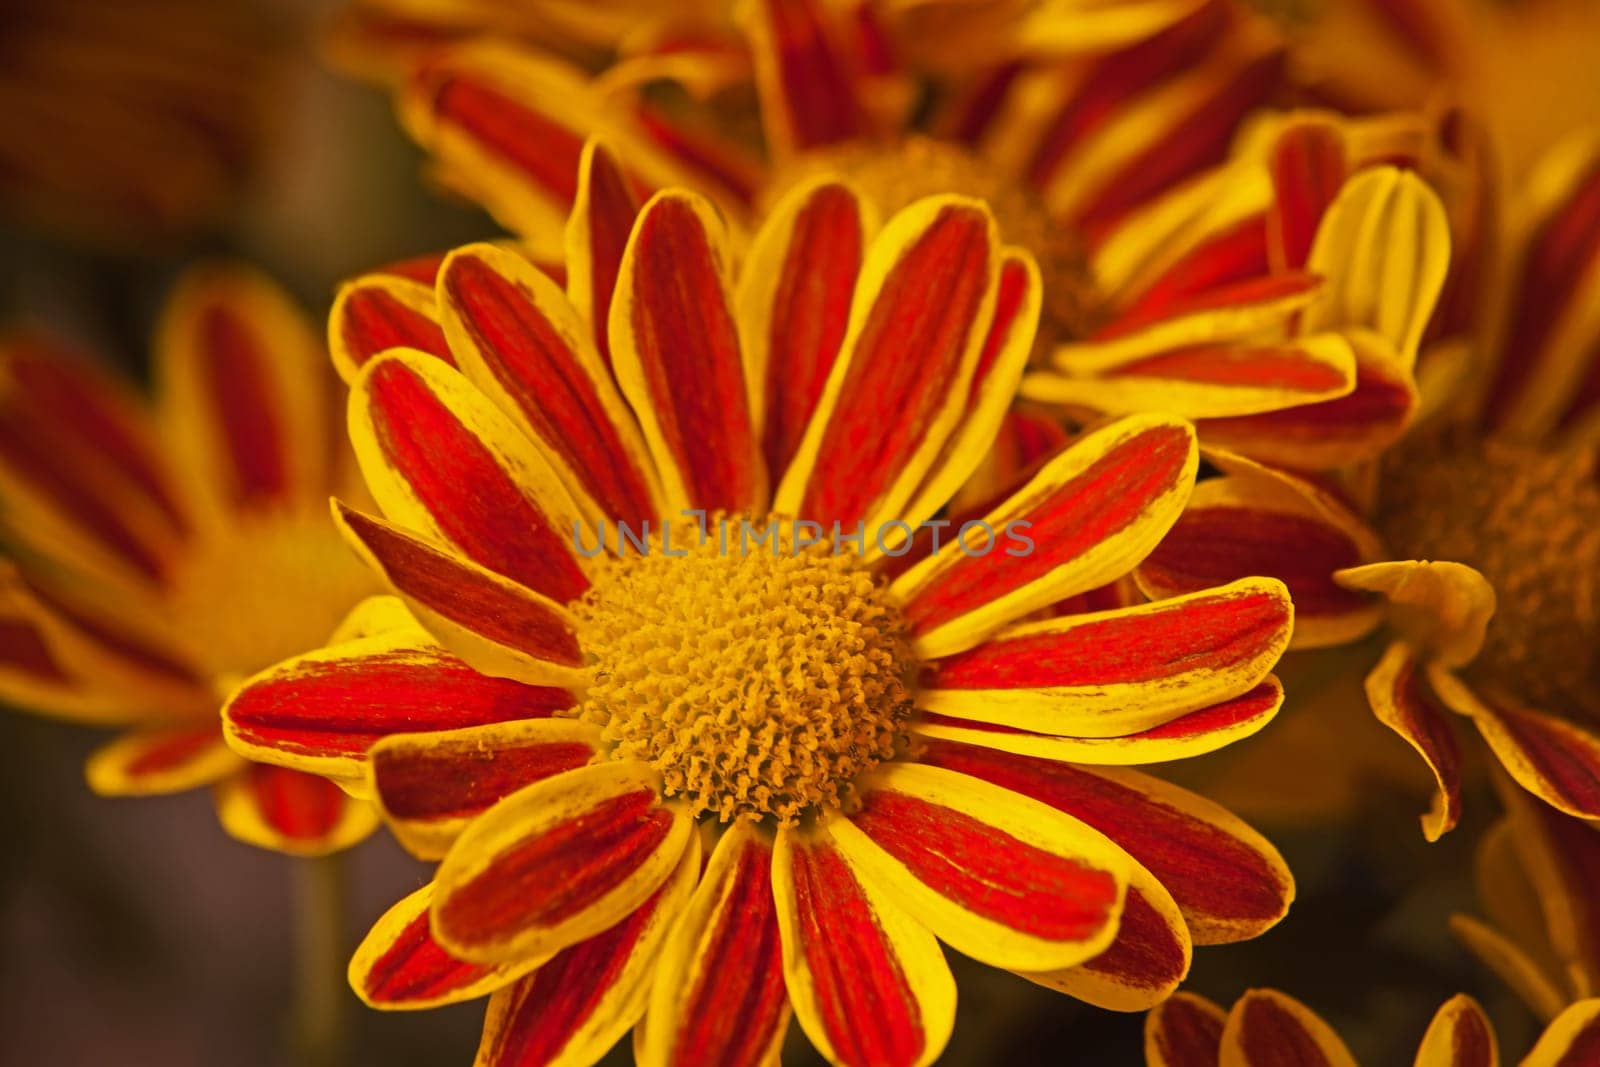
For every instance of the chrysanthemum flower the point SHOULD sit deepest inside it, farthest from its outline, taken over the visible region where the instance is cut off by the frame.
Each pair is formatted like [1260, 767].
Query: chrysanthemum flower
[135, 120]
[1062, 147]
[1501, 486]
[1536, 872]
[160, 558]
[703, 782]
[1266, 1028]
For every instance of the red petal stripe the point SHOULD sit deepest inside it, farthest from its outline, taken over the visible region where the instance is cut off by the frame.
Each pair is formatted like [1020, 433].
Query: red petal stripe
[1068, 520]
[987, 870]
[1308, 167]
[688, 344]
[176, 748]
[295, 804]
[903, 364]
[1176, 301]
[1146, 954]
[1270, 1035]
[374, 321]
[342, 707]
[416, 968]
[1380, 399]
[862, 992]
[1209, 872]
[437, 581]
[531, 360]
[558, 873]
[235, 373]
[469, 494]
[1212, 632]
[122, 645]
[1184, 1033]
[446, 783]
[1574, 778]
[810, 311]
[23, 649]
[1236, 364]
[1233, 257]
[610, 213]
[531, 142]
[818, 97]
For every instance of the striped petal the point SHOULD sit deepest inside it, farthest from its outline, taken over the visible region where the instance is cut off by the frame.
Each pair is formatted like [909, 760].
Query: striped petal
[1194, 734]
[1555, 760]
[150, 762]
[718, 992]
[1216, 380]
[808, 87]
[290, 812]
[597, 232]
[581, 1000]
[1309, 166]
[1403, 701]
[400, 967]
[917, 328]
[997, 876]
[1255, 307]
[1571, 1040]
[1226, 879]
[323, 711]
[675, 348]
[794, 296]
[1511, 964]
[441, 459]
[1118, 672]
[1268, 1029]
[1093, 513]
[497, 626]
[516, 337]
[376, 312]
[1256, 520]
[431, 786]
[1184, 1031]
[868, 985]
[1144, 965]
[557, 862]
[244, 392]
[1460, 1035]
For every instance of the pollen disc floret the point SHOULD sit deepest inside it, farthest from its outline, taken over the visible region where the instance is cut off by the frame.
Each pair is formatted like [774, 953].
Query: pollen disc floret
[1529, 519]
[759, 683]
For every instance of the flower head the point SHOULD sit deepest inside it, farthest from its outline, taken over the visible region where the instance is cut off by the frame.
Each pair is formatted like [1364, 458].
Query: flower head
[158, 559]
[875, 758]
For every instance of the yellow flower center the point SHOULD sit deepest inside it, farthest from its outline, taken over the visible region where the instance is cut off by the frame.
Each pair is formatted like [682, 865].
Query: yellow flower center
[896, 174]
[1529, 520]
[759, 683]
[262, 590]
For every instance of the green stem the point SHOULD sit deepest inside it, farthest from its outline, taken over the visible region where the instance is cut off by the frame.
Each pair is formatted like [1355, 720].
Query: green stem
[320, 998]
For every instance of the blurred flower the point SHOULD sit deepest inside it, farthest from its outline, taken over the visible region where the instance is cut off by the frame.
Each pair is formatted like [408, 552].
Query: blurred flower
[158, 560]
[872, 762]
[124, 121]
[1266, 1027]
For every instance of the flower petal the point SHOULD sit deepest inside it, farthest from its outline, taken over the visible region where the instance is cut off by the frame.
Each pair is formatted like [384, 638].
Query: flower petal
[557, 862]
[1571, 1040]
[495, 625]
[597, 232]
[517, 339]
[675, 349]
[1193, 734]
[149, 762]
[287, 811]
[400, 967]
[376, 312]
[1309, 166]
[581, 1000]
[1184, 1031]
[441, 459]
[809, 95]
[1267, 1028]
[1511, 965]
[244, 391]
[1460, 1035]
[323, 711]
[1117, 672]
[1442, 608]
[917, 328]
[1228, 880]
[718, 993]
[997, 876]
[430, 786]
[1256, 520]
[1403, 701]
[1094, 512]
[794, 298]
[869, 985]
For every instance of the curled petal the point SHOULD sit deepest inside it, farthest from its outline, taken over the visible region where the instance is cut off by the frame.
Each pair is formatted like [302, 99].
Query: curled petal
[1403, 700]
[1572, 1038]
[1443, 608]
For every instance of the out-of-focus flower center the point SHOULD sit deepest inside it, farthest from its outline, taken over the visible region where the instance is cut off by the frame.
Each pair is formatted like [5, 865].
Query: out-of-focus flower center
[263, 590]
[758, 684]
[894, 175]
[1529, 520]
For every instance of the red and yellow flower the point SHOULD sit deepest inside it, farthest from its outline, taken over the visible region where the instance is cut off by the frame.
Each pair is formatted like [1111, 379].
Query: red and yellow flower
[872, 761]
[1266, 1028]
[158, 558]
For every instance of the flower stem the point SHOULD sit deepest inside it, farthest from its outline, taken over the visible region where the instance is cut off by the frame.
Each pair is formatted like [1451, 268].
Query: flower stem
[318, 1022]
